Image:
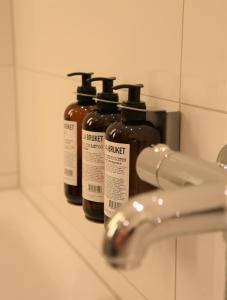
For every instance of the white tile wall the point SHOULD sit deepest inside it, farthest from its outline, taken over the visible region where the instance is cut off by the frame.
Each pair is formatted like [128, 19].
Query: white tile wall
[136, 40]
[7, 119]
[201, 259]
[139, 41]
[41, 102]
[204, 80]
[8, 151]
[8, 180]
[201, 267]
[6, 49]
[203, 132]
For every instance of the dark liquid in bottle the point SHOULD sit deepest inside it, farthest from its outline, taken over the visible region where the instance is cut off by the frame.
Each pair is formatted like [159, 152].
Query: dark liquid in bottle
[138, 135]
[97, 122]
[76, 112]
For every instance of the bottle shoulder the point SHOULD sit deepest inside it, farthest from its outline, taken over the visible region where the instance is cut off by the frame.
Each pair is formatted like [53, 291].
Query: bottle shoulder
[127, 133]
[75, 111]
[99, 121]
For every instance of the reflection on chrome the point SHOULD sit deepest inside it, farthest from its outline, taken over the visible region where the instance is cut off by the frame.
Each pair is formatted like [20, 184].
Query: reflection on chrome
[195, 202]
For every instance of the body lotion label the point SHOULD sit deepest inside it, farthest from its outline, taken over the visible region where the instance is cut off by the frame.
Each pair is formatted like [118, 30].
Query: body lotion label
[117, 158]
[93, 165]
[70, 152]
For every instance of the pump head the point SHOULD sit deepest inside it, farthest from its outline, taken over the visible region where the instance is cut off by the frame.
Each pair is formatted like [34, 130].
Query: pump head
[129, 112]
[107, 93]
[86, 88]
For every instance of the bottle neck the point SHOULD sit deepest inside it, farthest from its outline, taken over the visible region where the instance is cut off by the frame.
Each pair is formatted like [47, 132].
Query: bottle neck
[107, 107]
[135, 122]
[132, 116]
[85, 101]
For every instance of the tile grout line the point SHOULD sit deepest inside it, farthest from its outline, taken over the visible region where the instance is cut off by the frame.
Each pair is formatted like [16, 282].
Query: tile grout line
[68, 242]
[179, 99]
[204, 108]
[64, 77]
[145, 95]
[6, 65]
[17, 129]
[126, 278]
[68, 221]
[71, 245]
[159, 98]
[41, 72]
[175, 277]
[9, 189]
[181, 52]
[64, 216]
[7, 173]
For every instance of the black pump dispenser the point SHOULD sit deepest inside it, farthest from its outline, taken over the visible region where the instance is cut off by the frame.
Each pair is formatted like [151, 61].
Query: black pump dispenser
[132, 102]
[106, 94]
[86, 91]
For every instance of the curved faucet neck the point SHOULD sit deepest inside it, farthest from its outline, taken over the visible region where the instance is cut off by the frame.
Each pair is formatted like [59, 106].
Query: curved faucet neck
[156, 215]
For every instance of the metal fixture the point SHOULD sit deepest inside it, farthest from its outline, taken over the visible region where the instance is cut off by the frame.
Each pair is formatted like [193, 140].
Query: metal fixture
[195, 201]
[222, 158]
[168, 122]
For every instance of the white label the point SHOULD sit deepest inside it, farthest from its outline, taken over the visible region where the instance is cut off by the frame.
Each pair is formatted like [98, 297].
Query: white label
[70, 152]
[93, 165]
[117, 157]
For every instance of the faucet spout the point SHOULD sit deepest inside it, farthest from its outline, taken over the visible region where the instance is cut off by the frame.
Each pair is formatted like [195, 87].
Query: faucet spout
[152, 216]
[195, 203]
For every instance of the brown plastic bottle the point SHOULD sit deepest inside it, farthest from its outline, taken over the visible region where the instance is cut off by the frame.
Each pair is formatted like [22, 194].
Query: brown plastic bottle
[124, 141]
[73, 118]
[93, 137]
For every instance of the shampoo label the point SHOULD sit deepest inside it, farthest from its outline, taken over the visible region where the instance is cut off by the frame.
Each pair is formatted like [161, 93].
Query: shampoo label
[117, 157]
[93, 165]
[70, 152]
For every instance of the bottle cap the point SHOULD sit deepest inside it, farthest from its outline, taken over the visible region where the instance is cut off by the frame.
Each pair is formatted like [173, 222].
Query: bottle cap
[132, 102]
[86, 91]
[107, 99]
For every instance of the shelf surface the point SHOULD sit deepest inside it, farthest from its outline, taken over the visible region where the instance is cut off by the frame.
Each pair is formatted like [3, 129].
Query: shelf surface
[85, 238]
[36, 262]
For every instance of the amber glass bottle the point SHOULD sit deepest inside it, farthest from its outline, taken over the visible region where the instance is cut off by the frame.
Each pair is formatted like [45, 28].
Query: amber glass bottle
[93, 137]
[124, 141]
[73, 118]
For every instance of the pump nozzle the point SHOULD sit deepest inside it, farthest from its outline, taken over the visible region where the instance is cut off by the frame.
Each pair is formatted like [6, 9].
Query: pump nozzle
[86, 88]
[85, 77]
[107, 83]
[133, 91]
[107, 95]
[129, 112]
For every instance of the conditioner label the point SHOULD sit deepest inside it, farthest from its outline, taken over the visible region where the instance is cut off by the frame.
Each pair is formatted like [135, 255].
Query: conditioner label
[93, 165]
[70, 152]
[117, 158]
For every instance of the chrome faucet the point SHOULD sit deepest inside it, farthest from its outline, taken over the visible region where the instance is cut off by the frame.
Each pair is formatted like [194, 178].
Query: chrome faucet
[195, 201]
